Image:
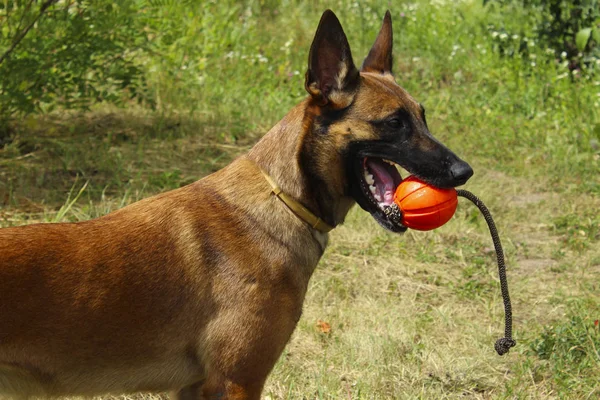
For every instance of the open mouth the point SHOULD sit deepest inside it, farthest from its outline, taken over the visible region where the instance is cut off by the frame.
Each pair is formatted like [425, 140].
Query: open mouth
[378, 179]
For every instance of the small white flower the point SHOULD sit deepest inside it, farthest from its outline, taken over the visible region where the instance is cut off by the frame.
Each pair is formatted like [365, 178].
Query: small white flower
[533, 64]
[494, 34]
[503, 36]
[515, 37]
[416, 59]
[533, 56]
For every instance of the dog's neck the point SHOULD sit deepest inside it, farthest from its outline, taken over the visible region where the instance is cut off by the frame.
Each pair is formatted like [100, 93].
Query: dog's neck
[278, 153]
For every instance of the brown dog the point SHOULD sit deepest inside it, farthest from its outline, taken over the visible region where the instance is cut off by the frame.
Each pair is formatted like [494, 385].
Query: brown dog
[198, 290]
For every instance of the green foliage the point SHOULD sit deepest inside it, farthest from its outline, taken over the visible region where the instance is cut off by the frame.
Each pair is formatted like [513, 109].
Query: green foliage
[76, 54]
[186, 43]
[568, 28]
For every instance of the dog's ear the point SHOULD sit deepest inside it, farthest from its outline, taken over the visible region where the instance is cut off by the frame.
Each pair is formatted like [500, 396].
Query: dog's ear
[331, 77]
[379, 59]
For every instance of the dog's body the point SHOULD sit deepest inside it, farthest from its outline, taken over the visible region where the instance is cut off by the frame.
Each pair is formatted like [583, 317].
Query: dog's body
[213, 273]
[198, 290]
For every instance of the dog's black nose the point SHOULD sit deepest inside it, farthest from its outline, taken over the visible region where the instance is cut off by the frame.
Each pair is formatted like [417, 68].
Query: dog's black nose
[461, 172]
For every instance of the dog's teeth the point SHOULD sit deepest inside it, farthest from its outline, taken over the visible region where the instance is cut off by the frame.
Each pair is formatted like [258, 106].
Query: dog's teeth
[377, 197]
[369, 179]
[373, 189]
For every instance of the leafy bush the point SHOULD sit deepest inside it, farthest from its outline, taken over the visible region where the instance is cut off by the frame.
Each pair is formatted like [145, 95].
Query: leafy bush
[569, 28]
[73, 54]
[68, 54]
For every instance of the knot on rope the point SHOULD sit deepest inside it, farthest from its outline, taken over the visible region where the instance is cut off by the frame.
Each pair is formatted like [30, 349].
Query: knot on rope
[503, 345]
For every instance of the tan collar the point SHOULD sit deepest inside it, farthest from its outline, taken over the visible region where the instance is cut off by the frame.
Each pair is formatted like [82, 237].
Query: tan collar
[301, 212]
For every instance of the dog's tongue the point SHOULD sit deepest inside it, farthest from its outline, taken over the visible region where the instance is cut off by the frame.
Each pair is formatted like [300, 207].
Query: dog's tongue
[383, 179]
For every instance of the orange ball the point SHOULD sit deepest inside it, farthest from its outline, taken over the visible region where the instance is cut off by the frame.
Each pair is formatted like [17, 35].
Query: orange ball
[424, 207]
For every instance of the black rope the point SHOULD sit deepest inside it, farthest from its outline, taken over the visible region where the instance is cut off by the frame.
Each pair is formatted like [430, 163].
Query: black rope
[504, 344]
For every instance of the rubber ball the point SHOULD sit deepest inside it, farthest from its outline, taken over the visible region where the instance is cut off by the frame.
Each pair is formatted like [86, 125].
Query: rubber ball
[424, 207]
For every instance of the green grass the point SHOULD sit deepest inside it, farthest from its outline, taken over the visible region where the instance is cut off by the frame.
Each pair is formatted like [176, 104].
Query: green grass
[412, 316]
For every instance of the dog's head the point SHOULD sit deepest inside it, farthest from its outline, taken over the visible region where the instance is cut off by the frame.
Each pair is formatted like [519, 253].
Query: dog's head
[364, 123]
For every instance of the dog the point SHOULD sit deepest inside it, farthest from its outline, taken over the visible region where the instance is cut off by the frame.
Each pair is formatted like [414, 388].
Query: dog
[197, 291]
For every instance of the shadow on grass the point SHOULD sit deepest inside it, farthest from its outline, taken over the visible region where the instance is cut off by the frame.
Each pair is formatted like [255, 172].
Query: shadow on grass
[45, 157]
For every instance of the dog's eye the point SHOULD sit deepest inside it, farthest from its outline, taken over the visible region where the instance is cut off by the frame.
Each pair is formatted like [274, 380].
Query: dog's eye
[395, 123]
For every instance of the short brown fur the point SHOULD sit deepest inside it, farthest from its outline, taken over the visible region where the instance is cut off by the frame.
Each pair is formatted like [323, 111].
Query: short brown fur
[197, 290]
